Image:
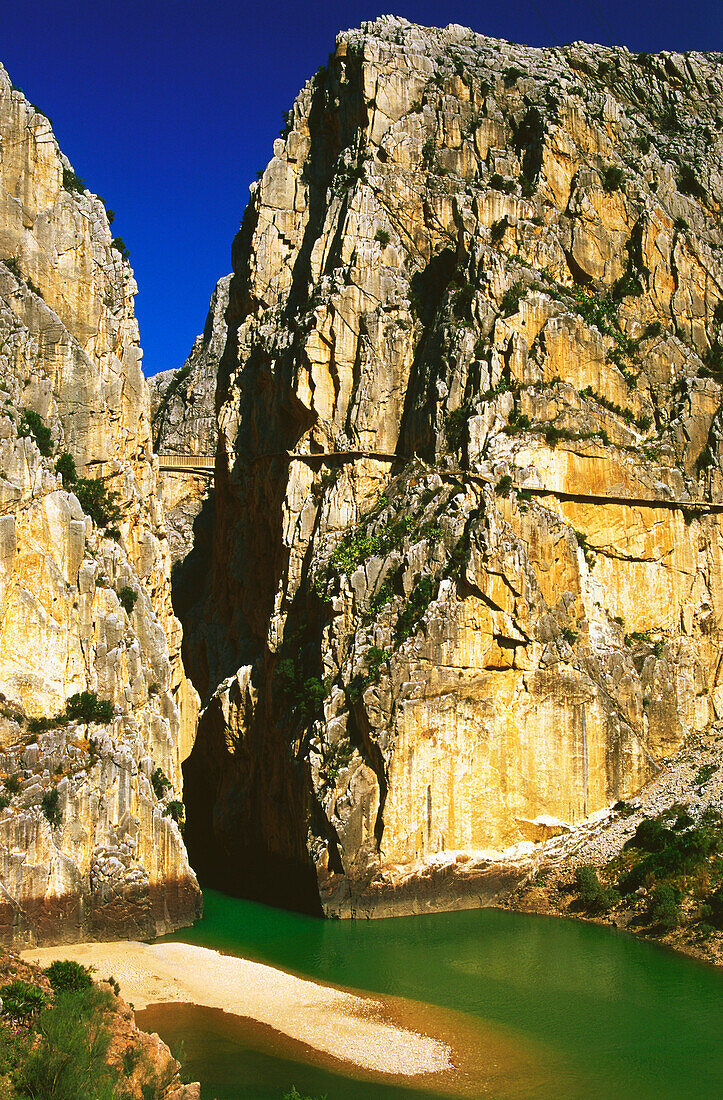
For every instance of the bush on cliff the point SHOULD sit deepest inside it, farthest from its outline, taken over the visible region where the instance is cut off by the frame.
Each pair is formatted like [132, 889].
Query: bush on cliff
[671, 852]
[67, 1060]
[50, 807]
[68, 976]
[594, 895]
[32, 425]
[664, 906]
[22, 1001]
[65, 466]
[127, 597]
[98, 501]
[160, 782]
[87, 707]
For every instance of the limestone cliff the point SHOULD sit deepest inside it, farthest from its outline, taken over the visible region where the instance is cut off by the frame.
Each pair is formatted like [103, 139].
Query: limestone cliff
[465, 585]
[183, 416]
[97, 713]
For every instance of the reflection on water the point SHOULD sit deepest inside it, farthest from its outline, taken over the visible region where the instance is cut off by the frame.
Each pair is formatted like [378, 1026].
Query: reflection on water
[616, 1017]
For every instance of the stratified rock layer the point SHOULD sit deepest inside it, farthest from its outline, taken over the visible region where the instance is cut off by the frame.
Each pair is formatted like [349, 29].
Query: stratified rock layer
[475, 320]
[88, 841]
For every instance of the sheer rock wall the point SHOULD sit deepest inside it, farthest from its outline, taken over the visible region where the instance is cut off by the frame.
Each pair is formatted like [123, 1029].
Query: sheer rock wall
[183, 417]
[475, 317]
[88, 843]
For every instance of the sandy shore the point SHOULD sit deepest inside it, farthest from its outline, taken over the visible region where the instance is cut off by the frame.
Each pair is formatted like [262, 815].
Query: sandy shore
[346, 1026]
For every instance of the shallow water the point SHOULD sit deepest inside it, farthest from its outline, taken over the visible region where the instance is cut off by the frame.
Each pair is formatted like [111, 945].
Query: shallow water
[614, 1017]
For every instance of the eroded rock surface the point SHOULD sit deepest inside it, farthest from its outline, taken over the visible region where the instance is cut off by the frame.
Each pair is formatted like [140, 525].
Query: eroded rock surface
[88, 841]
[183, 416]
[475, 319]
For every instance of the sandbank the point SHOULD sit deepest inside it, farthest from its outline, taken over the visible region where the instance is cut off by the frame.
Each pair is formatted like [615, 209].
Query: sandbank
[343, 1025]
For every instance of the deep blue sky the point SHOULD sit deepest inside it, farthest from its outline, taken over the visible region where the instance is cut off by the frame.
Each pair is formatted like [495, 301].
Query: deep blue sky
[168, 109]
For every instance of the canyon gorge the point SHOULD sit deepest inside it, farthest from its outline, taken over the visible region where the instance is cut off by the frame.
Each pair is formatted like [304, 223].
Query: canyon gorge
[454, 584]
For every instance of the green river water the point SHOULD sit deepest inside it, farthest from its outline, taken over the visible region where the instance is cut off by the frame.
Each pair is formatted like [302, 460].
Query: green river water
[602, 1014]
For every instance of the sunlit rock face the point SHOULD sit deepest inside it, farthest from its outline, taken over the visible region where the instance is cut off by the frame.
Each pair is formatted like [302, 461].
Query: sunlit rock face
[183, 420]
[88, 841]
[475, 319]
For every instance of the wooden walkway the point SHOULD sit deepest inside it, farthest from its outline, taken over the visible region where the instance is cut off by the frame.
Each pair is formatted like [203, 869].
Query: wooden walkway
[187, 464]
[205, 464]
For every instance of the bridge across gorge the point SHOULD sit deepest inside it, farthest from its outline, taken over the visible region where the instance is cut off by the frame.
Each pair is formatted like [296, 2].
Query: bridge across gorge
[205, 464]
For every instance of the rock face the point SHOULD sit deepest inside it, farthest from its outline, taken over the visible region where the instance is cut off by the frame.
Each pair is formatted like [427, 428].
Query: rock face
[88, 841]
[183, 416]
[460, 590]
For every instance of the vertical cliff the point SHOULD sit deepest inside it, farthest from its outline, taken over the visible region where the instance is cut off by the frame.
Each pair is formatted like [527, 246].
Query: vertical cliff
[97, 713]
[464, 586]
[183, 416]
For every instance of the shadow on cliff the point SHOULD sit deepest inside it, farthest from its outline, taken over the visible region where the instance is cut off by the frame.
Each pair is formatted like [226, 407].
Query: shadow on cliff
[249, 798]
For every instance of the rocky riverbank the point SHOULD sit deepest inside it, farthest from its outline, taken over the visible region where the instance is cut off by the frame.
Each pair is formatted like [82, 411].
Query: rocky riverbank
[652, 865]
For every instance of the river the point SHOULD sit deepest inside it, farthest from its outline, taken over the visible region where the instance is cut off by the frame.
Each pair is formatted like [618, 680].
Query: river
[546, 1009]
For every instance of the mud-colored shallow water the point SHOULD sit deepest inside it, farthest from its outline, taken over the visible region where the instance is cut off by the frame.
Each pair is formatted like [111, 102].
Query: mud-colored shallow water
[542, 1008]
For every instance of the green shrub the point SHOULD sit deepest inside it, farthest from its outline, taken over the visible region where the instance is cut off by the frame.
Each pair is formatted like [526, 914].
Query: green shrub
[664, 906]
[511, 299]
[65, 466]
[4, 802]
[704, 774]
[176, 811]
[553, 435]
[68, 976]
[650, 836]
[671, 852]
[375, 658]
[428, 152]
[383, 237]
[99, 502]
[11, 263]
[120, 246]
[127, 597]
[432, 532]
[32, 425]
[594, 895]
[498, 230]
[455, 428]
[49, 804]
[131, 1057]
[498, 183]
[599, 311]
[115, 986]
[653, 329]
[612, 177]
[12, 783]
[518, 422]
[68, 1061]
[87, 707]
[22, 1001]
[71, 182]
[160, 782]
[409, 621]
[503, 488]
